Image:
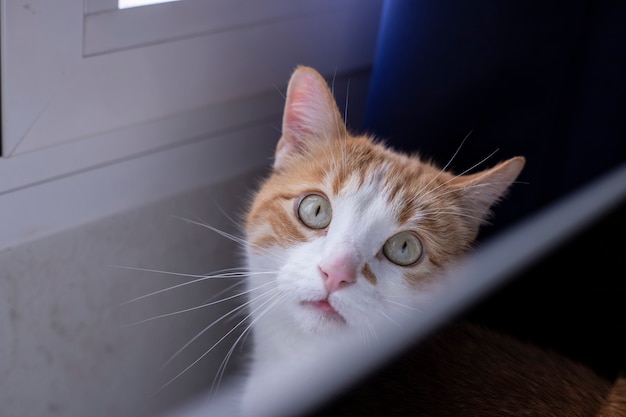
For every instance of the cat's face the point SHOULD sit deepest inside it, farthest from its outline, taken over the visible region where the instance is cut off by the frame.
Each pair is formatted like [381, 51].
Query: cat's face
[351, 230]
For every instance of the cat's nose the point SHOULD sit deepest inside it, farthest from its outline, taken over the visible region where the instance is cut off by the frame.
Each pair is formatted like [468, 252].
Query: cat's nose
[338, 271]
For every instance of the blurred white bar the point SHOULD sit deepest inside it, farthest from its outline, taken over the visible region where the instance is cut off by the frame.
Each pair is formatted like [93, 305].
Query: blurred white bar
[299, 387]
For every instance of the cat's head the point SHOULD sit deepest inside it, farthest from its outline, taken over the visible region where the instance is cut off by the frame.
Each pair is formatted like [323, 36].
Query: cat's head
[351, 229]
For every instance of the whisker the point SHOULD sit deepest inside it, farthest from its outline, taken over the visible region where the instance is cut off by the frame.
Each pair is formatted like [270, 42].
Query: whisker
[186, 310]
[177, 274]
[458, 149]
[345, 110]
[471, 186]
[243, 334]
[372, 331]
[479, 163]
[408, 307]
[365, 333]
[279, 91]
[231, 312]
[434, 214]
[389, 318]
[433, 190]
[241, 241]
[219, 341]
[239, 283]
[227, 235]
[226, 275]
[237, 224]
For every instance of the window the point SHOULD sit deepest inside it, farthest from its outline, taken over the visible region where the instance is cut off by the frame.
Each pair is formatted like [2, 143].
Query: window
[86, 85]
[127, 4]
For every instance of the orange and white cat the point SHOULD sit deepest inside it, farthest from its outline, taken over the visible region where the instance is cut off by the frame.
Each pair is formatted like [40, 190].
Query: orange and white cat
[349, 230]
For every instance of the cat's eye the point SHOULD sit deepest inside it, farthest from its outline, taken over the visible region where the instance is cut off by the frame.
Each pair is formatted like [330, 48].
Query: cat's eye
[403, 248]
[314, 211]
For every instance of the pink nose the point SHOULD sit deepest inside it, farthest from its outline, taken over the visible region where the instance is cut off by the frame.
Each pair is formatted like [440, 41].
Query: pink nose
[338, 271]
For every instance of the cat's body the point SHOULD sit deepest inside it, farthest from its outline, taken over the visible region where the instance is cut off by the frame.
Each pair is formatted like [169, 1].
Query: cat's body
[346, 232]
[467, 369]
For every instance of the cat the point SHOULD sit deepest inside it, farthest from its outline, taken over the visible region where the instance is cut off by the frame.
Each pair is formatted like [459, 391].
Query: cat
[466, 369]
[347, 230]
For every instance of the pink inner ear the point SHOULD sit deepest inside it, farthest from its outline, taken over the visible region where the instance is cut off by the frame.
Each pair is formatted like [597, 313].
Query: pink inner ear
[310, 113]
[298, 119]
[309, 106]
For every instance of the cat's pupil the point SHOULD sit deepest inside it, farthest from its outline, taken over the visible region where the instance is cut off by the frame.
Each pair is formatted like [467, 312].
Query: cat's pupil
[317, 211]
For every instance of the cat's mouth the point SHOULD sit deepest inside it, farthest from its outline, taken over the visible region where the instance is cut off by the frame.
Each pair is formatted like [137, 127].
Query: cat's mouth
[324, 307]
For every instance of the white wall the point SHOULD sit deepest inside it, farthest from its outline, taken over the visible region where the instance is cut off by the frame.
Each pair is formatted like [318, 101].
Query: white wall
[96, 162]
[65, 349]
[64, 346]
[187, 94]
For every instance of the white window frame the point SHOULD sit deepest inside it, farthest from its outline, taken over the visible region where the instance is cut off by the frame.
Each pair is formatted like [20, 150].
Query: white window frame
[72, 103]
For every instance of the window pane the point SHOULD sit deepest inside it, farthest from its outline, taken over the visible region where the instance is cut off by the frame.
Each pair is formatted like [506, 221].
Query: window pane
[126, 4]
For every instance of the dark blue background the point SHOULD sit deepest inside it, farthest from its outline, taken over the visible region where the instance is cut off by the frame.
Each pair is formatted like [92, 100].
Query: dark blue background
[543, 79]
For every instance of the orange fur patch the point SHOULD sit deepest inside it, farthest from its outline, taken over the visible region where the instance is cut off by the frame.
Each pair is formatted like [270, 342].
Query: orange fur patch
[369, 275]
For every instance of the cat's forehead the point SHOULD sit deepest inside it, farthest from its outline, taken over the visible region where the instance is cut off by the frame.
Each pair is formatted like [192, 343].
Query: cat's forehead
[369, 177]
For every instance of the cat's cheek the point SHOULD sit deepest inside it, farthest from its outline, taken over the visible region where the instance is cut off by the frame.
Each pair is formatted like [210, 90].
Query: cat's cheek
[300, 265]
[300, 270]
[396, 292]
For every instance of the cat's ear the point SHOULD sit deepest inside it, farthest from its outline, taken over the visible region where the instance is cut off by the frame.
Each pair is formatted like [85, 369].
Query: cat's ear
[310, 113]
[483, 189]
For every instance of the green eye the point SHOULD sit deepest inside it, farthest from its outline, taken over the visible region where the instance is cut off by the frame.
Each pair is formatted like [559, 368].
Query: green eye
[315, 211]
[403, 248]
